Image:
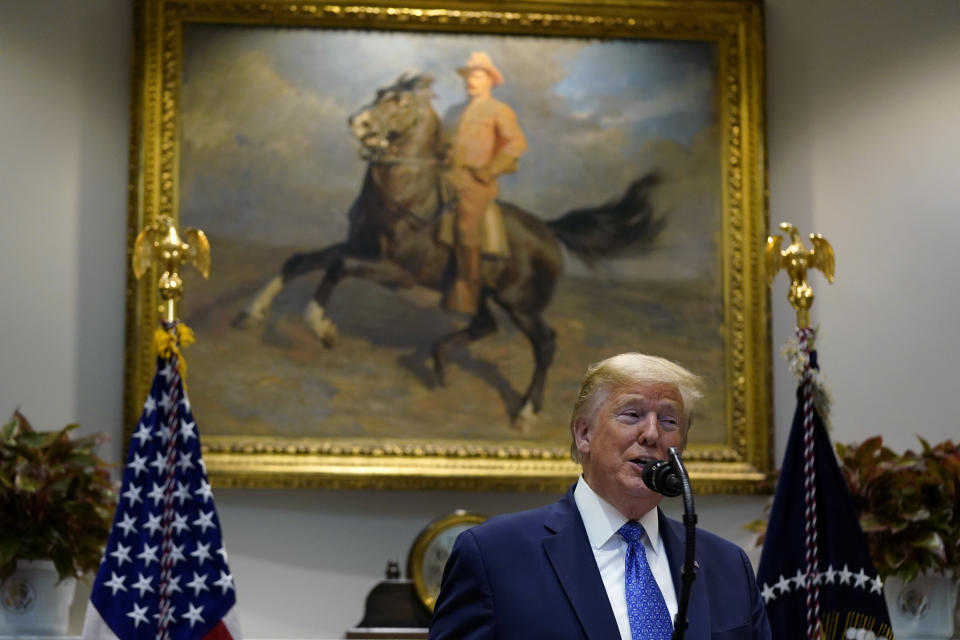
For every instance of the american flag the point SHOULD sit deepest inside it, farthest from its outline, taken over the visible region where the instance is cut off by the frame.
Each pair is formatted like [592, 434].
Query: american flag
[164, 572]
[815, 575]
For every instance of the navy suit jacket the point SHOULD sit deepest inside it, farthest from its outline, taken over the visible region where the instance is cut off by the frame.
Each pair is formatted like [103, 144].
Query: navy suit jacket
[532, 575]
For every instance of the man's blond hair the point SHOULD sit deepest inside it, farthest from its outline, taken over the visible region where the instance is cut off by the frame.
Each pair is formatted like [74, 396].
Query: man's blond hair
[631, 368]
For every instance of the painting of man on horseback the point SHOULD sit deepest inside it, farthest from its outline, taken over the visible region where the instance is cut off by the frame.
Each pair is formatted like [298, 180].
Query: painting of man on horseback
[477, 266]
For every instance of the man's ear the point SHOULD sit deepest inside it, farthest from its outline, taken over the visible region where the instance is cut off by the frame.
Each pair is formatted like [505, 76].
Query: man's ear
[582, 434]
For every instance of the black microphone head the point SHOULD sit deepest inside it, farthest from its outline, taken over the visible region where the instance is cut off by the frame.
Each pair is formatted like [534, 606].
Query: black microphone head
[660, 476]
[649, 473]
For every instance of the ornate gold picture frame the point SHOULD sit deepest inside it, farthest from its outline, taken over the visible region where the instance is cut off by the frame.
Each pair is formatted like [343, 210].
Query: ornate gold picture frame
[240, 128]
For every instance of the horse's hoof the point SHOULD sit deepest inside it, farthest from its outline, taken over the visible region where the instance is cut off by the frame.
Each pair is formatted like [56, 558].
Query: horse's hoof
[329, 335]
[525, 419]
[244, 320]
[325, 331]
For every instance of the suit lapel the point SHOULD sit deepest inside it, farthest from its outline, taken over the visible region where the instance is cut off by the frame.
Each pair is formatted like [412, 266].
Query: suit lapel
[568, 549]
[698, 610]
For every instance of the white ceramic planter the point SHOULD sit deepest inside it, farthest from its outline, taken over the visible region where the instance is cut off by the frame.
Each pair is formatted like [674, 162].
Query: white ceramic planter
[922, 609]
[32, 602]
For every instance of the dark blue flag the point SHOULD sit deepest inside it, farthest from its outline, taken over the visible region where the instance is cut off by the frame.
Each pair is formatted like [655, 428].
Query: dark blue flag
[815, 568]
[164, 573]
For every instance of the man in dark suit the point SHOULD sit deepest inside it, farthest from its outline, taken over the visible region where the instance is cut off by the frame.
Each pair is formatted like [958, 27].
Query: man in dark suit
[603, 562]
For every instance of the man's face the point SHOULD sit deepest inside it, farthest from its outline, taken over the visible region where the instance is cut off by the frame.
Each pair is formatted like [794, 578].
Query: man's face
[636, 423]
[479, 83]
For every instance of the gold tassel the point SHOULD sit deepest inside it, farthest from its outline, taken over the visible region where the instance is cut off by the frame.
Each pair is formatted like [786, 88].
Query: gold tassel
[166, 344]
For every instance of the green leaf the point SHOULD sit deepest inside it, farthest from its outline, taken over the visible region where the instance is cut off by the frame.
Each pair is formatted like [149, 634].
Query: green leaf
[9, 545]
[934, 544]
[8, 430]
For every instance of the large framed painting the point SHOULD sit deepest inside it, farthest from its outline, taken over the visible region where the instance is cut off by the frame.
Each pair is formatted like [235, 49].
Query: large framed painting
[387, 310]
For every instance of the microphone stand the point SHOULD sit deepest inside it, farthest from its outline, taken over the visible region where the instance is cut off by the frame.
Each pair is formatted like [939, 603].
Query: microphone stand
[690, 524]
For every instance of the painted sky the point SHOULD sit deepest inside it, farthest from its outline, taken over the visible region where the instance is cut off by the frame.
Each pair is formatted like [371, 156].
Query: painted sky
[265, 148]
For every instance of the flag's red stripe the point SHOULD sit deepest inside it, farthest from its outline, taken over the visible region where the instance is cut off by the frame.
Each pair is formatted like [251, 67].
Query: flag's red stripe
[219, 632]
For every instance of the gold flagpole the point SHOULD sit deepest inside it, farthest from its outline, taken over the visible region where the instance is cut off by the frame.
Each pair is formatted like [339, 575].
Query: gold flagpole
[797, 260]
[160, 244]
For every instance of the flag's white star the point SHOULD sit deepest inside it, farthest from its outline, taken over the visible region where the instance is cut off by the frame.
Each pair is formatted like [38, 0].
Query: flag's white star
[829, 575]
[176, 554]
[142, 434]
[165, 403]
[193, 615]
[121, 554]
[202, 553]
[138, 614]
[223, 553]
[185, 403]
[115, 583]
[128, 524]
[185, 462]
[182, 492]
[153, 523]
[768, 593]
[783, 584]
[143, 584]
[800, 580]
[845, 575]
[198, 584]
[173, 586]
[165, 433]
[876, 585]
[205, 521]
[204, 490]
[148, 554]
[138, 464]
[167, 371]
[203, 465]
[156, 494]
[179, 522]
[861, 579]
[187, 430]
[225, 581]
[159, 463]
[150, 405]
[133, 494]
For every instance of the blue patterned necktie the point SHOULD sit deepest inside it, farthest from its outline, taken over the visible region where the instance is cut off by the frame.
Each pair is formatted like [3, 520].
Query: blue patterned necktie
[646, 608]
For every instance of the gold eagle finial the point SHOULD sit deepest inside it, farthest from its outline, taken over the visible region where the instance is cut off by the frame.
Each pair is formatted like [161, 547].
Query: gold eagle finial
[797, 260]
[161, 244]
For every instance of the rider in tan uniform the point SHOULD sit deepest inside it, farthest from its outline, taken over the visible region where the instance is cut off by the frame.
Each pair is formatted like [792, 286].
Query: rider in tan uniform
[488, 143]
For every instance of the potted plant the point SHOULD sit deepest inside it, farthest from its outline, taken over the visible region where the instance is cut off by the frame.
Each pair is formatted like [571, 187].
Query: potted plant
[909, 509]
[56, 508]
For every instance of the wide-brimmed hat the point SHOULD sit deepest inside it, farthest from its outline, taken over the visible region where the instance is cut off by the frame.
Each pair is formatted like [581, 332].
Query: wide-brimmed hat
[481, 60]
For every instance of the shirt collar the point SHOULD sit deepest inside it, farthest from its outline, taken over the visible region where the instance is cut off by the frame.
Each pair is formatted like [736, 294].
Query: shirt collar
[602, 520]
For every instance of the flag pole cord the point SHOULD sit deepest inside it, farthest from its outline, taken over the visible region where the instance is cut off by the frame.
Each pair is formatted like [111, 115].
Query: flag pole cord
[805, 336]
[173, 422]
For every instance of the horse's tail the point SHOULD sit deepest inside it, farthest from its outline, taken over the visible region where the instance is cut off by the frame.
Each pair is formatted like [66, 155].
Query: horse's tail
[614, 227]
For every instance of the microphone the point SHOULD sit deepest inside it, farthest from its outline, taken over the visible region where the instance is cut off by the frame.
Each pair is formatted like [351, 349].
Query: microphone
[660, 476]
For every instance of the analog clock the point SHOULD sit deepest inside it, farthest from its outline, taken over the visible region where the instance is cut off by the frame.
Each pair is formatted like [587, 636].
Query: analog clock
[430, 551]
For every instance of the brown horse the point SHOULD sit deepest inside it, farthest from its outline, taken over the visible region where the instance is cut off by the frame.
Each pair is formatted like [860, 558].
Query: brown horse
[394, 225]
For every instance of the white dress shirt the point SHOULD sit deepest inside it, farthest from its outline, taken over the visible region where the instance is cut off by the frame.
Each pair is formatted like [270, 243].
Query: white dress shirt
[602, 521]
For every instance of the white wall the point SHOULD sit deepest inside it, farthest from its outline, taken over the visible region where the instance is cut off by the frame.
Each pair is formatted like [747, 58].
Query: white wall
[864, 132]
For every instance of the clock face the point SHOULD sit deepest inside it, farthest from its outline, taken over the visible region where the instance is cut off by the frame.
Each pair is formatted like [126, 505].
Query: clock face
[435, 557]
[430, 551]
